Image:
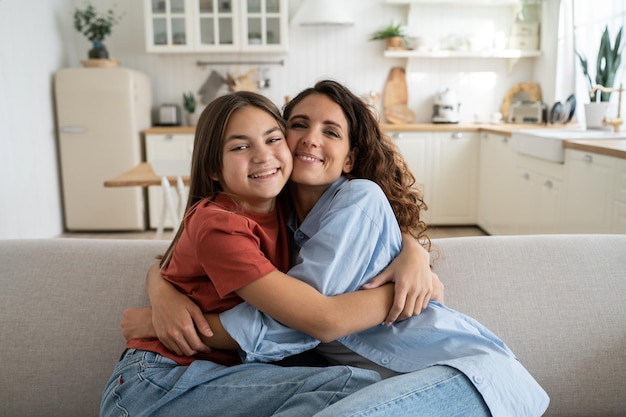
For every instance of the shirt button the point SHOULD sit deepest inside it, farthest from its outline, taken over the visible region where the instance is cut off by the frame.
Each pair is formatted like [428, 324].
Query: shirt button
[385, 360]
[477, 379]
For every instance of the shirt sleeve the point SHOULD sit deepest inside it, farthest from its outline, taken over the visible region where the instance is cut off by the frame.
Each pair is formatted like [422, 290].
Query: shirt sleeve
[353, 243]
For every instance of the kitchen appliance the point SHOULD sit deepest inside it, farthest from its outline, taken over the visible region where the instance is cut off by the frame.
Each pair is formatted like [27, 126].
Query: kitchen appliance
[169, 115]
[446, 107]
[526, 112]
[101, 113]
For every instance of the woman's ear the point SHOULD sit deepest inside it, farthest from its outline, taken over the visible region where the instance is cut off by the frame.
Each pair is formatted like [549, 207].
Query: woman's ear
[348, 164]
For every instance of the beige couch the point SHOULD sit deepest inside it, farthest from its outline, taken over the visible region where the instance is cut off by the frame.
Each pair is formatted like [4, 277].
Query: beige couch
[558, 301]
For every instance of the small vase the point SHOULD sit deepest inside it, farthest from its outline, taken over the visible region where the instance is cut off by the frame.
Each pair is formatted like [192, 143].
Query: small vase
[99, 51]
[594, 115]
[394, 42]
[192, 119]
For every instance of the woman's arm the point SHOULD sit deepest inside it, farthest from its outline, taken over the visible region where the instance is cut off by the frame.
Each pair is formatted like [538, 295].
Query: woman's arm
[410, 271]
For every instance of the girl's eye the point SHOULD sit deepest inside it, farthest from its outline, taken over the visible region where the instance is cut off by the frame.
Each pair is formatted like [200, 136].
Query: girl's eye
[274, 140]
[239, 148]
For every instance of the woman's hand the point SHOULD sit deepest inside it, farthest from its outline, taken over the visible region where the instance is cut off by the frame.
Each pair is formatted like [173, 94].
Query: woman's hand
[176, 319]
[137, 324]
[410, 271]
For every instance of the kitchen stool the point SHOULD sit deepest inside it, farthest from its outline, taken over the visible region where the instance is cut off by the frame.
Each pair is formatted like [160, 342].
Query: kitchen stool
[165, 168]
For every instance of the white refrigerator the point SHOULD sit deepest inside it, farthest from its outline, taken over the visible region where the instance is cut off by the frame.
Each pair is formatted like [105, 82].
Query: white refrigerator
[101, 113]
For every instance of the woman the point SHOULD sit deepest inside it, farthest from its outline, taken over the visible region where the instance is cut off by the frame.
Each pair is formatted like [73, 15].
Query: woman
[440, 347]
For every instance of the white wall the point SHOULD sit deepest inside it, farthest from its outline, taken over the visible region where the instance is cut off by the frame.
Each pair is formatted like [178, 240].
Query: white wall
[37, 38]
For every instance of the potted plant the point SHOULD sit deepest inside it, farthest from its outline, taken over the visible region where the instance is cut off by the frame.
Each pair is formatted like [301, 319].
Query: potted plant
[392, 34]
[189, 104]
[607, 64]
[96, 27]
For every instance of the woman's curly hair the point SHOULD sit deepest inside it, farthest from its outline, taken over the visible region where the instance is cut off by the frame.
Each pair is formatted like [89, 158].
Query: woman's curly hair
[377, 158]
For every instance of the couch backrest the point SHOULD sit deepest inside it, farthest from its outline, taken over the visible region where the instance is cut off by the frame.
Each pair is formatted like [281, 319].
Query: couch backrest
[559, 302]
[61, 303]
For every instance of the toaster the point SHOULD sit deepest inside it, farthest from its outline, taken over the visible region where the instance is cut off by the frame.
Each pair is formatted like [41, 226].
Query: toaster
[169, 115]
[526, 112]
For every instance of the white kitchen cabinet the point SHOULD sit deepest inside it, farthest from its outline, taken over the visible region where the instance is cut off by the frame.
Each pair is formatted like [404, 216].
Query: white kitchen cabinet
[496, 177]
[216, 26]
[454, 178]
[165, 146]
[618, 217]
[445, 166]
[416, 149]
[539, 196]
[589, 194]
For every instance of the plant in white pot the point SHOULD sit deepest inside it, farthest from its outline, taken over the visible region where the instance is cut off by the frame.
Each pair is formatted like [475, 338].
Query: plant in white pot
[189, 103]
[608, 62]
[96, 27]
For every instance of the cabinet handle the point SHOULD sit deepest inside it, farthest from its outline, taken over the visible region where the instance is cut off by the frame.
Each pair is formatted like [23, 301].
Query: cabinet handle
[505, 139]
[457, 135]
[525, 175]
[588, 158]
[396, 135]
[169, 137]
[548, 184]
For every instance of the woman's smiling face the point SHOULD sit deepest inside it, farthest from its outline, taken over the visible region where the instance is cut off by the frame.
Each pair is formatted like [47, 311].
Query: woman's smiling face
[318, 136]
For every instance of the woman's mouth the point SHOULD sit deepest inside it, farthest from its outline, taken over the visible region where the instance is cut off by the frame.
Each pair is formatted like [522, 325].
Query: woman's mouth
[308, 158]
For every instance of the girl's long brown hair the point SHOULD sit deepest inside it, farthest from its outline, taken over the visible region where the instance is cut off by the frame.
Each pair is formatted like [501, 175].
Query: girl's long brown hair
[377, 157]
[207, 158]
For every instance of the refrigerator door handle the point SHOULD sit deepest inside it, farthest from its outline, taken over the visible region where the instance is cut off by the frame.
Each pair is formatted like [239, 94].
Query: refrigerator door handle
[72, 129]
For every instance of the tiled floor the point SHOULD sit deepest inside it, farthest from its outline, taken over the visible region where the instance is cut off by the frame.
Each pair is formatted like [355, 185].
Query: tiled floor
[434, 232]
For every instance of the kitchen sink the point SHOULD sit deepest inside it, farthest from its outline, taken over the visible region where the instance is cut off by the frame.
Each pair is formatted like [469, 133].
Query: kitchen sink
[548, 143]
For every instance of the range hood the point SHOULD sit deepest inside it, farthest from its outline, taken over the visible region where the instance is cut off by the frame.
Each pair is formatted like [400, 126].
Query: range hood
[323, 13]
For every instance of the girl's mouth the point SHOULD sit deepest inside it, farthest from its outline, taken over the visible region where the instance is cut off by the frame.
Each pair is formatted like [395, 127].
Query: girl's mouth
[264, 174]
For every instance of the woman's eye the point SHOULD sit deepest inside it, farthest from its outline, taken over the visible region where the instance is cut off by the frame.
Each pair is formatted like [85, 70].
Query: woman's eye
[297, 125]
[333, 134]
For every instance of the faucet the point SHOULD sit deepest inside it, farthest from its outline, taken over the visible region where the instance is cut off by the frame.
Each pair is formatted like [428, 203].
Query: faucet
[616, 123]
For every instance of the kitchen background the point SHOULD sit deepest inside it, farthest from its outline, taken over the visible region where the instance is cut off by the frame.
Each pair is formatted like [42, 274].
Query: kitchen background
[37, 38]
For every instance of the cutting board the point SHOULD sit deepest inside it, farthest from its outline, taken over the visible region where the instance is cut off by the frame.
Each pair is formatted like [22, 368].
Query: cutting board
[396, 98]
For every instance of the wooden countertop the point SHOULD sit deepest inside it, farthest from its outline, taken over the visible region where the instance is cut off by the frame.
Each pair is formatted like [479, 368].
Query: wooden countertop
[609, 147]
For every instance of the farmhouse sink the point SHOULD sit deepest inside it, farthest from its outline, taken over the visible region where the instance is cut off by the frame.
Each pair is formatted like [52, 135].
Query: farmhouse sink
[548, 143]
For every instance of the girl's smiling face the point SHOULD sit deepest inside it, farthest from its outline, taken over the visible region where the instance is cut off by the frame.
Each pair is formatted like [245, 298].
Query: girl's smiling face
[317, 134]
[257, 161]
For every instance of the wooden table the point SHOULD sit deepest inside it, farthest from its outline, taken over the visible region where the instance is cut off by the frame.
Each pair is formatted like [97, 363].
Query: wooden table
[143, 176]
[140, 176]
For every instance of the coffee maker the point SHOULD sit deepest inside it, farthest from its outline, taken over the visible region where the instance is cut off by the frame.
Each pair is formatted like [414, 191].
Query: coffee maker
[446, 108]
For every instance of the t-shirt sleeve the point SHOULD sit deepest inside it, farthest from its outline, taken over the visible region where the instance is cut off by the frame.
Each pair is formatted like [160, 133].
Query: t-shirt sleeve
[229, 239]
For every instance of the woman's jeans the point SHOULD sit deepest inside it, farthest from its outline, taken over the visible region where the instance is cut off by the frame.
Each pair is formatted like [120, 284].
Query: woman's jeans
[438, 391]
[148, 384]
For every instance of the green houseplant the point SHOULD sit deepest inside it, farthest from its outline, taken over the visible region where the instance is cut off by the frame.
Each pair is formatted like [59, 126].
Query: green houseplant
[189, 104]
[392, 34]
[96, 27]
[607, 64]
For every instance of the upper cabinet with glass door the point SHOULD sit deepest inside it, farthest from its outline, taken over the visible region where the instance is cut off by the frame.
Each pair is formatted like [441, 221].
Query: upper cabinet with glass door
[217, 25]
[168, 26]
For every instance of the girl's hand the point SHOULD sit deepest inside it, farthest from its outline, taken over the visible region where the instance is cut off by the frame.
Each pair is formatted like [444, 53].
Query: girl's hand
[177, 320]
[137, 324]
[410, 271]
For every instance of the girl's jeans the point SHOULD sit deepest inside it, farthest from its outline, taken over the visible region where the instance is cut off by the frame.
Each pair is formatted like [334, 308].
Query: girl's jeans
[148, 384]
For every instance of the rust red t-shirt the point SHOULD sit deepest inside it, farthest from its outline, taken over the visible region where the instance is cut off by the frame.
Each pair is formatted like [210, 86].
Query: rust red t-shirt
[222, 249]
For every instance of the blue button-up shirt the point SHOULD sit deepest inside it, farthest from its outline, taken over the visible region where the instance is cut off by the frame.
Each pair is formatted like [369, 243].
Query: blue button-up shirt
[349, 236]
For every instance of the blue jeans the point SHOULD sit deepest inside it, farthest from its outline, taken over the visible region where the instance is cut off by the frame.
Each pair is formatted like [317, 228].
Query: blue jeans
[438, 391]
[148, 384]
